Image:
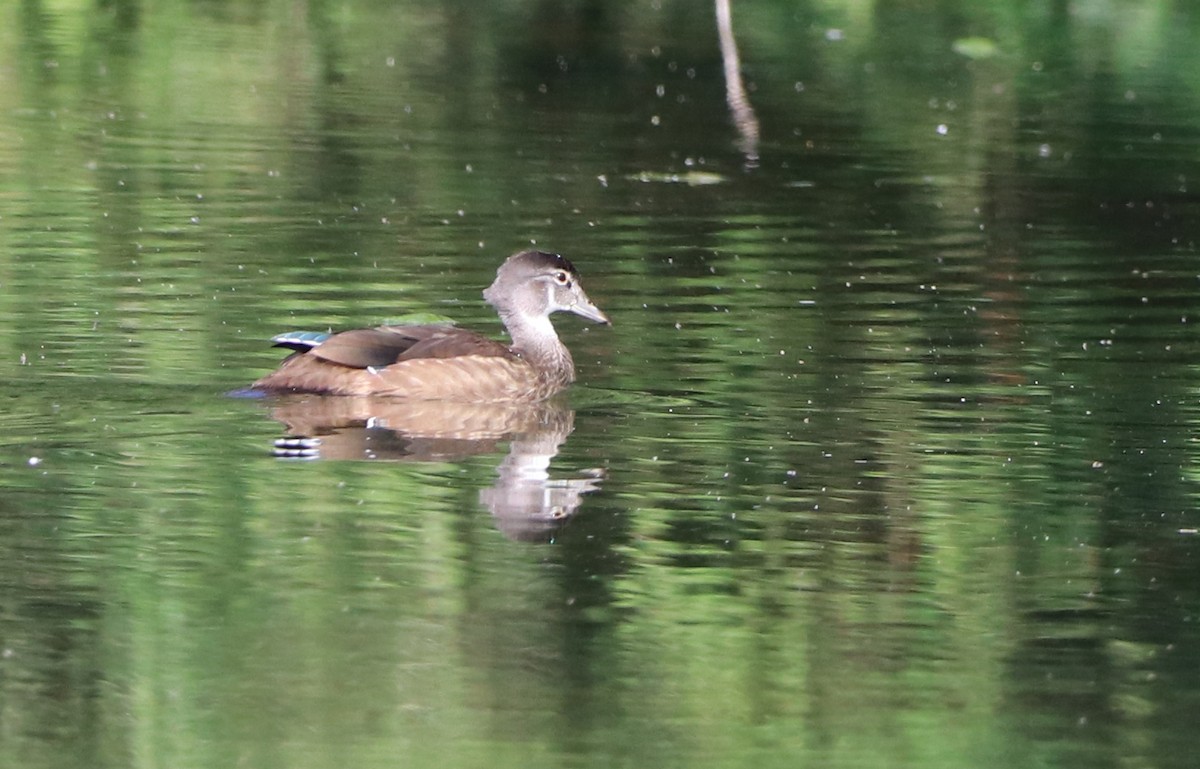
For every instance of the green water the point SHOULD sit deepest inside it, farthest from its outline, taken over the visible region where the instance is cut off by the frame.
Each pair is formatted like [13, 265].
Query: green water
[889, 458]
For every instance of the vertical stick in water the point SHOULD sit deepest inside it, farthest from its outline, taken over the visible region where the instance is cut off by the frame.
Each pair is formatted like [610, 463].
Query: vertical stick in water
[735, 92]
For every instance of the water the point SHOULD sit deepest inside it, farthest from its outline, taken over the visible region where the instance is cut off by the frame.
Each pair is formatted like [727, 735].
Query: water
[888, 458]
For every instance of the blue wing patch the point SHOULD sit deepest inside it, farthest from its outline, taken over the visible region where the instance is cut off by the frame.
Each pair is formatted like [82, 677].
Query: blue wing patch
[300, 340]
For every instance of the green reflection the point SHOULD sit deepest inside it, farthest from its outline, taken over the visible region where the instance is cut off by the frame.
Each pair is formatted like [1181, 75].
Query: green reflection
[897, 425]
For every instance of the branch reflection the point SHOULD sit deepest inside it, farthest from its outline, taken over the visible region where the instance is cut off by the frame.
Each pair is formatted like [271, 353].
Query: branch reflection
[735, 91]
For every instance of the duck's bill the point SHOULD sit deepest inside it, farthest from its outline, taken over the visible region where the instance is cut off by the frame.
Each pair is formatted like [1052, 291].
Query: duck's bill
[585, 309]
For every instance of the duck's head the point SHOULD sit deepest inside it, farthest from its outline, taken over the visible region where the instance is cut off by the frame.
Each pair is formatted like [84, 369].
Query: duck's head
[536, 284]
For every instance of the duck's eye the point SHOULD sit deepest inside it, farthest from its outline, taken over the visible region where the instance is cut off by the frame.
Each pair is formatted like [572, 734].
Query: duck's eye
[562, 278]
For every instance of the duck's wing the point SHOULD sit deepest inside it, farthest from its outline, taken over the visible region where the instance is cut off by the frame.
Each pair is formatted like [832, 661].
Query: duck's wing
[384, 346]
[446, 341]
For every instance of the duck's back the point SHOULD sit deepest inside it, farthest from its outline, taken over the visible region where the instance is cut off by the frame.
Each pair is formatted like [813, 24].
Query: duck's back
[428, 362]
[387, 345]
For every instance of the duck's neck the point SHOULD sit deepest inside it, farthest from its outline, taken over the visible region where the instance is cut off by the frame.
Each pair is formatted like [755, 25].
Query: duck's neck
[535, 340]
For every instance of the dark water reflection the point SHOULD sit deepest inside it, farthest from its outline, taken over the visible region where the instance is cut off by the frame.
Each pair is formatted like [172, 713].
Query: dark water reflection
[889, 456]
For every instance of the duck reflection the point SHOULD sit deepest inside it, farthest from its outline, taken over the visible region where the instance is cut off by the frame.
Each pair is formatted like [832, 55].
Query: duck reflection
[527, 504]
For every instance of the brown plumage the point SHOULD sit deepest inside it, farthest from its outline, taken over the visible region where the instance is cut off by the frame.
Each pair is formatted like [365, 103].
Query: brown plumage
[443, 362]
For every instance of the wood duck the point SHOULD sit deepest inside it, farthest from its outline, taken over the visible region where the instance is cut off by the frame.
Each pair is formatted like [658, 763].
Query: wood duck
[443, 362]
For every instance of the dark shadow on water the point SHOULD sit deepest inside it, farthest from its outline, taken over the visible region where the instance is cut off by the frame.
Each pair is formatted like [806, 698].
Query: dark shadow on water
[526, 502]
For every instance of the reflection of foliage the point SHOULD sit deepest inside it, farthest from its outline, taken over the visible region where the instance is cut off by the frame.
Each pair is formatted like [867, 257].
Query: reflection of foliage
[940, 338]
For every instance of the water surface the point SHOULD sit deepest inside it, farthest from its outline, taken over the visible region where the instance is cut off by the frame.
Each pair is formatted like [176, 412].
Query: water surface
[888, 458]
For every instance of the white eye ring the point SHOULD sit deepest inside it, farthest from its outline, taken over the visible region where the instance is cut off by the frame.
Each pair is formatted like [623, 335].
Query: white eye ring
[562, 278]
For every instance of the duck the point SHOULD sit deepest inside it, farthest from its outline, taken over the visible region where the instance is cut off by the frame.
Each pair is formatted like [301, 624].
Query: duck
[442, 362]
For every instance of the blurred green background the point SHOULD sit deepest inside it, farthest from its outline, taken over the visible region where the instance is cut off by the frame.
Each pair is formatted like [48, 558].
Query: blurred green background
[896, 418]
